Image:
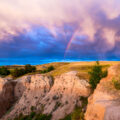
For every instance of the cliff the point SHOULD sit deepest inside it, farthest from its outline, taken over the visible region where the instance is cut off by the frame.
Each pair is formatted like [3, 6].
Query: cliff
[44, 94]
[104, 103]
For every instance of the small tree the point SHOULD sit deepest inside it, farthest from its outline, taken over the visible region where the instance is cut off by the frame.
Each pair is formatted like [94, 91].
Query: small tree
[29, 68]
[4, 71]
[95, 75]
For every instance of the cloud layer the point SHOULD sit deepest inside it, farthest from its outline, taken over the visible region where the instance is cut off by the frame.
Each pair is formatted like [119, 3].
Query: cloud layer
[86, 29]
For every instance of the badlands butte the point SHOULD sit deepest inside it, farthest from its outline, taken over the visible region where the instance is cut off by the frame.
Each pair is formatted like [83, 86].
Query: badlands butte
[62, 94]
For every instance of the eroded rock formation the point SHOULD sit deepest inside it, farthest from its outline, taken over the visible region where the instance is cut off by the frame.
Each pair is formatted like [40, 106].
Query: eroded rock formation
[104, 103]
[43, 94]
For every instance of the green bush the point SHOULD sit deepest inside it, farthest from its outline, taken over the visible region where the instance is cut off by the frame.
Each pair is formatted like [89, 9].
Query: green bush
[43, 117]
[77, 114]
[104, 73]
[96, 74]
[29, 68]
[4, 71]
[17, 72]
[50, 68]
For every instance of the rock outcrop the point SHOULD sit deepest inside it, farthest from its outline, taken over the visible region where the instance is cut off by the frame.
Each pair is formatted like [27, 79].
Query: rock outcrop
[6, 95]
[104, 103]
[43, 94]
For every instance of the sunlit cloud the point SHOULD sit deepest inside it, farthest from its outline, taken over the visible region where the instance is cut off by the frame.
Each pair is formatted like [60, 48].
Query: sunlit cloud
[62, 22]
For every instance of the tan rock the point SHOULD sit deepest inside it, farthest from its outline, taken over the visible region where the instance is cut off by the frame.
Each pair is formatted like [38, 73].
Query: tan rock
[104, 103]
[57, 97]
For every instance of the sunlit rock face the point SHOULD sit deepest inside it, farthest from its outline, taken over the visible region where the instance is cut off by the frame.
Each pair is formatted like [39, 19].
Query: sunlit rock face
[104, 103]
[57, 97]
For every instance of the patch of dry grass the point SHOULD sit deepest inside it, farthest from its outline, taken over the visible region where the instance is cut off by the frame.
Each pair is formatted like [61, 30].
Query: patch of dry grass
[62, 67]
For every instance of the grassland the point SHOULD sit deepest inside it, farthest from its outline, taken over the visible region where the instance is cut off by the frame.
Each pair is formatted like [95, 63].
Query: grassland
[81, 67]
[62, 67]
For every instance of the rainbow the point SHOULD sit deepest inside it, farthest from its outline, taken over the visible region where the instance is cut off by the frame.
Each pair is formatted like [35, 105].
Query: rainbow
[69, 44]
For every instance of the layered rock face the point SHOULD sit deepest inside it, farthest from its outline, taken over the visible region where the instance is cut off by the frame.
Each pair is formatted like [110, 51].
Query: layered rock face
[43, 94]
[104, 103]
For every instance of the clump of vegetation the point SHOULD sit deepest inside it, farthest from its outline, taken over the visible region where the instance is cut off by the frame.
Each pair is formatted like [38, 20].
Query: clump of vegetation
[77, 114]
[33, 116]
[4, 71]
[50, 68]
[84, 101]
[32, 108]
[116, 83]
[96, 74]
[29, 68]
[68, 117]
[19, 72]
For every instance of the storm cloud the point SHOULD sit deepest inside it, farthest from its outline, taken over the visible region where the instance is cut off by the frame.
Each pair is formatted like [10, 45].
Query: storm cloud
[74, 29]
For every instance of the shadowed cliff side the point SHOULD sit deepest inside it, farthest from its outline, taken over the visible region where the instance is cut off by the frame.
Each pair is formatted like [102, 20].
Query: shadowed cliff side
[7, 97]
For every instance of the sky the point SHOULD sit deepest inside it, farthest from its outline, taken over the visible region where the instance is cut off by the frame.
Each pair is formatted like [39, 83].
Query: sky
[42, 31]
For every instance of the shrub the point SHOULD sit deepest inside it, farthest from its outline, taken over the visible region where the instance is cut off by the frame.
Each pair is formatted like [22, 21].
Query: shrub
[77, 114]
[29, 68]
[96, 74]
[32, 108]
[50, 68]
[84, 101]
[32, 114]
[104, 73]
[18, 72]
[43, 117]
[4, 71]
[116, 84]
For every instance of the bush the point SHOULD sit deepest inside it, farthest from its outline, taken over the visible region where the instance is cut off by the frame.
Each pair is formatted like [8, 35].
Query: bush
[96, 74]
[32, 108]
[18, 72]
[29, 68]
[43, 117]
[50, 68]
[116, 84]
[77, 114]
[104, 73]
[4, 71]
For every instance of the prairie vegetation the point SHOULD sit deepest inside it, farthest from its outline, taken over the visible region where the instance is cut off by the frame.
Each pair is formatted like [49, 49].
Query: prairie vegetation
[58, 68]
